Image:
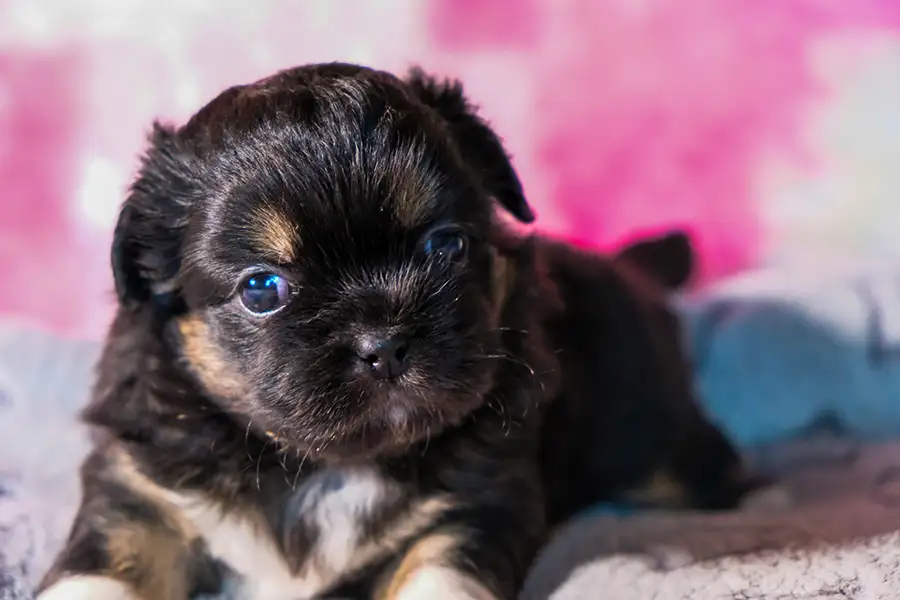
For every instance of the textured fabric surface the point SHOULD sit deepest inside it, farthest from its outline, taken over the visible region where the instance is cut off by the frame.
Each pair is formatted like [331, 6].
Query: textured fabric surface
[43, 382]
[838, 543]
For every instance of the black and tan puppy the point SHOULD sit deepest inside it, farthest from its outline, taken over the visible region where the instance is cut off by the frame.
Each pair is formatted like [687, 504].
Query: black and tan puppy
[335, 372]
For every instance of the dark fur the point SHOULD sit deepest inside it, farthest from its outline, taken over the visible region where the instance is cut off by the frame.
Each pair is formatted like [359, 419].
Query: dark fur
[548, 379]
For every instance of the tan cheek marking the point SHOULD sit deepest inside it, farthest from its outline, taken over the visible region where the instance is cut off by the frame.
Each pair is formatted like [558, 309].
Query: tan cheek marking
[206, 360]
[125, 471]
[154, 557]
[444, 582]
[396, 534]
[661, 489]
[435, 550]
[274, 234]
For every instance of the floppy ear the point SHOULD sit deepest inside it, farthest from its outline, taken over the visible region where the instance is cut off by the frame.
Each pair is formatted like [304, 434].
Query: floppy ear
[479, 145]
[668, 258]
[146, 246]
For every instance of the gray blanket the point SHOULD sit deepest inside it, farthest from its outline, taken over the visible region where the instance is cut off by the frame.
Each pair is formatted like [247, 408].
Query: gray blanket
[779, 376]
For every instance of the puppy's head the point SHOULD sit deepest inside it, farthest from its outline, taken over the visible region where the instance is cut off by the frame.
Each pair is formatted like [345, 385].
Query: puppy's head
[324, 240]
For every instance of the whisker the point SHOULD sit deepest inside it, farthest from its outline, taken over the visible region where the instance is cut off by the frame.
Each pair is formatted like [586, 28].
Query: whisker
[439, 290]
[427, 439]
[247, 444]
[299, 469]
[259, 461]
[510, 329]
[303, 460]
[510, 358]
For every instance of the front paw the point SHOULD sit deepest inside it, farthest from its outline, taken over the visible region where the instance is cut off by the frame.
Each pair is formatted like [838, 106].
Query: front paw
[441, 583]
[88, 587]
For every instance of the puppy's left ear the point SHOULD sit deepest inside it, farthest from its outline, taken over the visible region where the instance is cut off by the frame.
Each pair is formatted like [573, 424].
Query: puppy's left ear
[146, 248]
[668, 258]
[479, 145]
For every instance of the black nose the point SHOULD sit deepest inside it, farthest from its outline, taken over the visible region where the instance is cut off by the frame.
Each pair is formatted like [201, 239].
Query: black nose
[385, 355]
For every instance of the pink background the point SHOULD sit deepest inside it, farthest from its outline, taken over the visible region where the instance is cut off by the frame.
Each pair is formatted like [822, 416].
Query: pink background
[769, 127]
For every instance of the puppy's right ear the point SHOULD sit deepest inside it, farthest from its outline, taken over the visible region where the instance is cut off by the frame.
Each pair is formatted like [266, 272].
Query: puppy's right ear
[669, 258]
[479, 145]
[147, 241]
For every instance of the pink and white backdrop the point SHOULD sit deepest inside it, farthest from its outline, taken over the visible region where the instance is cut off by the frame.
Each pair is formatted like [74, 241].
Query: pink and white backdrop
[770, 127]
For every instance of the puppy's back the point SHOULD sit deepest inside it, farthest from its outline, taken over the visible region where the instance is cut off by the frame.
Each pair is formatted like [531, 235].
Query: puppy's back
[626, 417]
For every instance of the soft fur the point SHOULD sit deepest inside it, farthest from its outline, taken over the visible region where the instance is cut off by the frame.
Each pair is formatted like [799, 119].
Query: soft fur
[541, 379]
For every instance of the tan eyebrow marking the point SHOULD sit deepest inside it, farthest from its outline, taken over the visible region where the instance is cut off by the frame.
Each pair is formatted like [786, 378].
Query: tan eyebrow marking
[274, 233]
[412, 187]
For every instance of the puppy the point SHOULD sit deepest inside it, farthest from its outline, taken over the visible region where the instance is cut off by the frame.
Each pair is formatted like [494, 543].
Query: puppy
[336, 370]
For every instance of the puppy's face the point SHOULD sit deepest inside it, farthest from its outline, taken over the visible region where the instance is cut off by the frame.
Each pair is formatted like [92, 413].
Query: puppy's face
[324, 240]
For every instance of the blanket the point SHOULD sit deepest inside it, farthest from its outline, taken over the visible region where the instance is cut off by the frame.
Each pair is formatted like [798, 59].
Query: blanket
[806, 391]
[839, 541]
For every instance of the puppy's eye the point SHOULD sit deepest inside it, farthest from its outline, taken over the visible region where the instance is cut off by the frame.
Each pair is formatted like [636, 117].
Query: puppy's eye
[448, 244]
[263, 293]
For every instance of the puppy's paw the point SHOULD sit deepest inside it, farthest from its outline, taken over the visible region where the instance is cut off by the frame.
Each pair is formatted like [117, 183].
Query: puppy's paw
[442, 583]
[668, 558]
[88, 587]
[771, 498]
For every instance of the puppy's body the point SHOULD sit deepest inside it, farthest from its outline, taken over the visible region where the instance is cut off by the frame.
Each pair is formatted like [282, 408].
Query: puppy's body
[251, 419]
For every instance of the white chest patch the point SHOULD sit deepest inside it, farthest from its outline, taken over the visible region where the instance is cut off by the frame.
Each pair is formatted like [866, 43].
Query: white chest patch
[335, 503]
